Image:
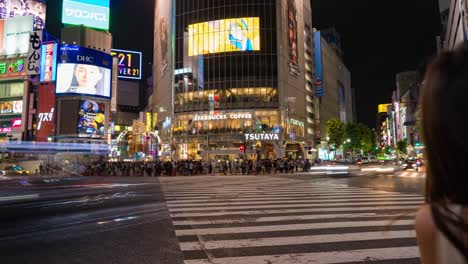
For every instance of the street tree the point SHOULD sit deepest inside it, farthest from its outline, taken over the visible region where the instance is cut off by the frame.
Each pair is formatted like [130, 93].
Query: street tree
[336, 132]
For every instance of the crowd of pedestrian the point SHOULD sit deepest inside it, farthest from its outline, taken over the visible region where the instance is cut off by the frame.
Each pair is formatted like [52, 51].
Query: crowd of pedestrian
[187, 167]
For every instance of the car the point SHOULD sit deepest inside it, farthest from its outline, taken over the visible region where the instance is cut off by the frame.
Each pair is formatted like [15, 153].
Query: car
[15, 170]
[408, 164]
[365, 160]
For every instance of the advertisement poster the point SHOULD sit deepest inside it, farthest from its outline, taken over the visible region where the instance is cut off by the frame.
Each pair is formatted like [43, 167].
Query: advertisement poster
[94, 13]
[45, 112]
[225, 35]
[318, 64]
[84, 71]
[163, 43]
[17, 8]
[48, 62]
[292, 38]
[11, 107]
[16, 35]
[91, 119]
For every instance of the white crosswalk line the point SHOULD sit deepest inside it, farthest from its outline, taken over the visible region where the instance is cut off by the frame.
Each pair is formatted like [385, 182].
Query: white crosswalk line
[257, 212]
[253, 229]
[287, 218]
[272, 220]
[334, 257]
[280, 241]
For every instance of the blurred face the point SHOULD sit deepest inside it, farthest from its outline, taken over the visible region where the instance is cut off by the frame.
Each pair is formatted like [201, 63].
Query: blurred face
[87, 75]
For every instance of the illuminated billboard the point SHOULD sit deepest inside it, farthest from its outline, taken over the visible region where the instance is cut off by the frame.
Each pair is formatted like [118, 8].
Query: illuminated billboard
[17, 8]
[91, 122]
[45, 112]
[15, 34]
[83, 71]
[129, 63]
[90, 13]
[225, 35]
[48, 62]
[382, 108]
[11, 107]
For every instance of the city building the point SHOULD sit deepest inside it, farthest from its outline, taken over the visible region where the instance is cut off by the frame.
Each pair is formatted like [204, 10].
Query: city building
[22, 33]
[233, 79]
[334, 86]
[456, 26]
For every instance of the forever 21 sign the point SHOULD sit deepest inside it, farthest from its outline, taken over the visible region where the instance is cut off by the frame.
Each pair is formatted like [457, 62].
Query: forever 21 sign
[129, 63]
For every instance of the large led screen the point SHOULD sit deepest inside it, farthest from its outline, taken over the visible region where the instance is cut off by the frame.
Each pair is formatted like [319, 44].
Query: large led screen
[91, 122]
[83, 71]
[226, 35]
[83, 79]
[90, 13]
[16, 8]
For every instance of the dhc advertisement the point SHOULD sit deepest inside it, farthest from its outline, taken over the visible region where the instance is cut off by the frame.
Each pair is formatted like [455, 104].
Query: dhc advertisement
[83, 71]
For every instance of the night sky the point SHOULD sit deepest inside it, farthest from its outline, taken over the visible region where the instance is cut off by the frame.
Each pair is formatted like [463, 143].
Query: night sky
[380, 38]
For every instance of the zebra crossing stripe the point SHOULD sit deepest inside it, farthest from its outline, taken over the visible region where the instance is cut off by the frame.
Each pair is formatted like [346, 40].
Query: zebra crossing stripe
[286, 206]
[290, 201]
[284, 218]
[296, 240]
[257, 229]
[285, 211]
[333, 257]
[279, 198]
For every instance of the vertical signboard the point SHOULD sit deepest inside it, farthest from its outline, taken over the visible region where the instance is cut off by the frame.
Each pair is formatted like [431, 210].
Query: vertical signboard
[34, 53]
[45, 112]
[318, 64]
[48, 62]
[292, 38]
[113, 106]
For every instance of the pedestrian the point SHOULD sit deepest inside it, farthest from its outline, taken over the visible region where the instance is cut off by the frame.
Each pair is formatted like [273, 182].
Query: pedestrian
[442, 224]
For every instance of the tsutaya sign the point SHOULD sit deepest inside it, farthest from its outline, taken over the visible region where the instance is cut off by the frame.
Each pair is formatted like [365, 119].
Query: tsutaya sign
[263, 136]
[223, 116]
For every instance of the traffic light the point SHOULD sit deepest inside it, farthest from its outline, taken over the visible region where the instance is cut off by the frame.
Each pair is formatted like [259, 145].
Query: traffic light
[242, 148]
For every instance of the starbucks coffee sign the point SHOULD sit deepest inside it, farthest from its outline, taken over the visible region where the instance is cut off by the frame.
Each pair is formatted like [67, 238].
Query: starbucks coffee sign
[262, 137]
[223, 116]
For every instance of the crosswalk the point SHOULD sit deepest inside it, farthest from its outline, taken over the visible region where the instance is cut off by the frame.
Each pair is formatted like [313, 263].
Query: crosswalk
[272, 220]
[399, 174]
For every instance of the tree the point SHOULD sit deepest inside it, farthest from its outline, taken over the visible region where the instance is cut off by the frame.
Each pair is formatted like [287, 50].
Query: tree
[336, 132]
[401, 147]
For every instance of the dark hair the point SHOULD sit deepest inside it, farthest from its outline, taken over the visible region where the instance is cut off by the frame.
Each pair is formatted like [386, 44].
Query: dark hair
[444, 103]
[99, 85]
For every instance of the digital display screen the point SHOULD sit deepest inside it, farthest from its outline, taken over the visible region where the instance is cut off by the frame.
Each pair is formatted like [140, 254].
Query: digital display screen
[91, 119]
[226, 35]
[90, 13]
[83, 79]
[129, 63]
[48, 62]
[11, 107]
[84, 71]
[17, 8]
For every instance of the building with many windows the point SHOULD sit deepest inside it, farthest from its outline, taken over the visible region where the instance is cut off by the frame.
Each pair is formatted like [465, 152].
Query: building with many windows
[225, 69]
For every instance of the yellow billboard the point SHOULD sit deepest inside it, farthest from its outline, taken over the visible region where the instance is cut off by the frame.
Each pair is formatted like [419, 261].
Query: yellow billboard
[383, 108]
[225, 35]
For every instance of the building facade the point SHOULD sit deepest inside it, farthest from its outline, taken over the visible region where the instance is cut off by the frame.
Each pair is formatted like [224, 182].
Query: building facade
[455, 31]
[225, 70]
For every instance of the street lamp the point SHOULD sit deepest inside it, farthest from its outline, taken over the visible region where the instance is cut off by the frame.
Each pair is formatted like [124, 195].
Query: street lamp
[348, 140]
[328, 138]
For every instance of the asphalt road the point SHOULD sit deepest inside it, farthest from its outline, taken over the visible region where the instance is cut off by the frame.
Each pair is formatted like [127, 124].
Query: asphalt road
[136, 219]
[85, 220]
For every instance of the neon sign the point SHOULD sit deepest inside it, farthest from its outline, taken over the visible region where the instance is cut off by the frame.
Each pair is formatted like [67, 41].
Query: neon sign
[129, 63]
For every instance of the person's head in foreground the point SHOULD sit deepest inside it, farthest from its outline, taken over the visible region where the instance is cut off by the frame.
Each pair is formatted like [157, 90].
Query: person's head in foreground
[442, 224]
